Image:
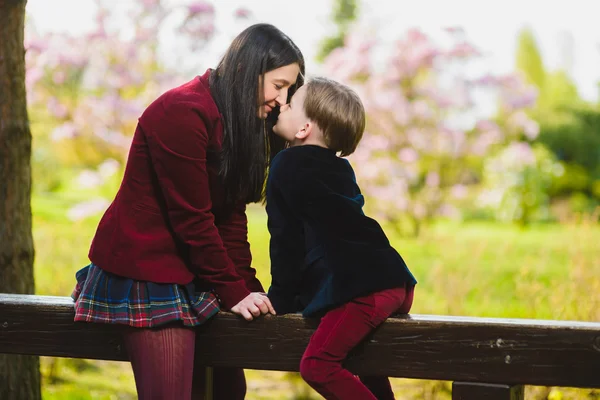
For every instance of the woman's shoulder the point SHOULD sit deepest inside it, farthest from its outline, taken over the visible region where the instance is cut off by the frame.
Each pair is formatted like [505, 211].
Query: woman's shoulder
[191, 97]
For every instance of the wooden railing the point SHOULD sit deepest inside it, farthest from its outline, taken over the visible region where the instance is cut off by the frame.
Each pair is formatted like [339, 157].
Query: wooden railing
[486, 358]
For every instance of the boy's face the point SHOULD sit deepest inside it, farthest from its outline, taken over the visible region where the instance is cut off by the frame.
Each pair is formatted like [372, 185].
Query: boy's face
[292, 117]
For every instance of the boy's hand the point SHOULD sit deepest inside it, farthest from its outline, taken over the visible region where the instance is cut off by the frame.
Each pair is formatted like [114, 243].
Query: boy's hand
[253, 305]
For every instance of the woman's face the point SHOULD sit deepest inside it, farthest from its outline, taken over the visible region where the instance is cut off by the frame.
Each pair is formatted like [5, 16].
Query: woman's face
[276, 84]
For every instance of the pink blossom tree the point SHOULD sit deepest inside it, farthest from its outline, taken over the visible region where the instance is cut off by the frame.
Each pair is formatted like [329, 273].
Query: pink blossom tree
[85, 93]
[424, 144]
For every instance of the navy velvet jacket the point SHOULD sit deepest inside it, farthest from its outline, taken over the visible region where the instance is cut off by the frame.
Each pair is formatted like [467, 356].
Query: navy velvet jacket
[324, 250]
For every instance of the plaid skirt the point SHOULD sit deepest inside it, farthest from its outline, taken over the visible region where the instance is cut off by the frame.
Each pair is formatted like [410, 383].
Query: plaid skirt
[107, 298]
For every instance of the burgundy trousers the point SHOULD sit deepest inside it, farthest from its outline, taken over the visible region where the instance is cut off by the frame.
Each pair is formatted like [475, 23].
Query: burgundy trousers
[341, 330]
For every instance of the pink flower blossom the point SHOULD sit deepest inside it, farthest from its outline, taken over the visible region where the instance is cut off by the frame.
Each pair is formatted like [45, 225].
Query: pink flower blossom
[36, 45]
[486, 125]
[459, 191]
[521, 121]
[449, 211]
[369, 171]
[87, 209]
[432, 179]
[531, 129]
[486, 80]
[483, 142]
[464, 50]
[67, 130]
[57, 109]
[515, 100]
[32, 76]
[59, 77]
[455, 30]
[108, 168]
[200, 7]
[519, 153]
[374, 143]
[421, 109]
[89, 179]
[408, 155]
[417, 108]
[351, 61]
[242, 13]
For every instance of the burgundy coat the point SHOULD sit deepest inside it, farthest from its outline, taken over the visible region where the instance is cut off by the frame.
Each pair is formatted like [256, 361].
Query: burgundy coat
[167, 223]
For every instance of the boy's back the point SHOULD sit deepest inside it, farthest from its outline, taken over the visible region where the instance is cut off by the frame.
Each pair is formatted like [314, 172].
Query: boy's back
[324, 250]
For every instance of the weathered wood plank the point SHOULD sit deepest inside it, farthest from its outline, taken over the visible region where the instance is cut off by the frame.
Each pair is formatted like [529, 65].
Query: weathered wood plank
[479, 350]
[487, 391]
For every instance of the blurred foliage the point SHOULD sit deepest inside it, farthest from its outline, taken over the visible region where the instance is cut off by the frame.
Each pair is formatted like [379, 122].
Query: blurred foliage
[516, 183]
[569, 127]
[344, 14]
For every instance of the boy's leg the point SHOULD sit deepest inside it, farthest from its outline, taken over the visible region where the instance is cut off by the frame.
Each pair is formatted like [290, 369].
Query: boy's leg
[162, 361]
[340, 331]
[408, 301]
[380, 385]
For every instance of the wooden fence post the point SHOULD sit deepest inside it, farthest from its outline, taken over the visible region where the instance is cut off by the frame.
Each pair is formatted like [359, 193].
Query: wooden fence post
[487, 391]
[209, 383]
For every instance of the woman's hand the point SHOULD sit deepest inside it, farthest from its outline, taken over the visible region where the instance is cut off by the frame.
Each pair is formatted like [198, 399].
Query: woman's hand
[253, 305]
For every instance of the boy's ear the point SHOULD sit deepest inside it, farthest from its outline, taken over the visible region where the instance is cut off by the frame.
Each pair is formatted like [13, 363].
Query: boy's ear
[304, 131]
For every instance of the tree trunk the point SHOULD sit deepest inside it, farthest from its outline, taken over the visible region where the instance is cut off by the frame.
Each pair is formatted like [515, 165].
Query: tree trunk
[19, 375]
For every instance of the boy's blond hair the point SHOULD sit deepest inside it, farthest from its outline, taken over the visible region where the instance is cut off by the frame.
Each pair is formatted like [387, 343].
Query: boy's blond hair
[338, 111]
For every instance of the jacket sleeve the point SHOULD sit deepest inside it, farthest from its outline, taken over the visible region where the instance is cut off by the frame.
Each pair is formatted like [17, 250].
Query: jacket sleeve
[286, 247]
[177, 144]
[234, 233]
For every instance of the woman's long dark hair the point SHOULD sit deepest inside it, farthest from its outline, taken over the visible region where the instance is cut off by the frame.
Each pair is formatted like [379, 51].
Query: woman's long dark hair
[249, 143]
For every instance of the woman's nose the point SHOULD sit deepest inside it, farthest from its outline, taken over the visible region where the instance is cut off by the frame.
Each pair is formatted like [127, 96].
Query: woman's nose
[282, 97]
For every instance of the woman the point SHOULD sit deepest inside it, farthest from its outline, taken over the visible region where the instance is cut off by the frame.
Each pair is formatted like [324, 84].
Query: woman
[172, 249]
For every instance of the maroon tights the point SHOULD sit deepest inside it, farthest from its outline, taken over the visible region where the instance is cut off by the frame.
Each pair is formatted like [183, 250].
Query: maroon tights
[163, 365]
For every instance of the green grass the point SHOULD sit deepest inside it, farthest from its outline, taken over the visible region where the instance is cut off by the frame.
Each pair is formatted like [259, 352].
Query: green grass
[477, 269]
[492, 270]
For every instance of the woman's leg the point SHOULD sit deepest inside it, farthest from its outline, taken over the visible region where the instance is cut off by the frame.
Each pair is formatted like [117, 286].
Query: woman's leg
[340, 331]
[228, 383]
[162, 360]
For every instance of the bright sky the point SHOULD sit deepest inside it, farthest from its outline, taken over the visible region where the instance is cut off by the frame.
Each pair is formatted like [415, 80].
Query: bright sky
[491, 25]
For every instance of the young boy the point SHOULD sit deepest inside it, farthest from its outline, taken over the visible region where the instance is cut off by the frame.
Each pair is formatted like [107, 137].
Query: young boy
[329, 260]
